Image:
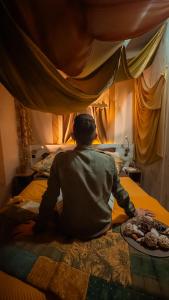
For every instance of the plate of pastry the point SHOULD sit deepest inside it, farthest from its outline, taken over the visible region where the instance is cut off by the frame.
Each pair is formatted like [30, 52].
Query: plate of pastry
[147, 235]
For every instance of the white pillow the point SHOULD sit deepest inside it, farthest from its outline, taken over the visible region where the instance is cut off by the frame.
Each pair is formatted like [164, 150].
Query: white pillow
[43, 166]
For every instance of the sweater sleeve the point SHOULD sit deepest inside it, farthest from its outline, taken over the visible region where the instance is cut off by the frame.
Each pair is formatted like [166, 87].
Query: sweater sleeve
[121, 195]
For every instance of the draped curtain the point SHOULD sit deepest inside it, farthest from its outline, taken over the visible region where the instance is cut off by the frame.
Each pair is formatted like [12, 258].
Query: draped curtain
[103, 111]
[148, 102]
[99, 115]
[24, 132]
[52, 92]
[62, 128]
[104, 114]
[68, 126]
[155, 176]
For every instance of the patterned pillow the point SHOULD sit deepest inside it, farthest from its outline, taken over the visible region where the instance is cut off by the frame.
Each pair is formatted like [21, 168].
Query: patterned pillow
[118, 160]
[43, 166]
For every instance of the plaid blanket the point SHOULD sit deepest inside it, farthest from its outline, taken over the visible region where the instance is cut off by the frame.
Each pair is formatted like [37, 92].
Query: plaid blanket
[103, 268]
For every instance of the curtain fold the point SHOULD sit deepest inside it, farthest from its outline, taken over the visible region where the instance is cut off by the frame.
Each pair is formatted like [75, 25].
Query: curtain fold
[68, 126]
[137, 64]
[123, 70]
[76, 24]
[56, 129]
[34, 80]
[103, 111]
[99, 54]
[147, 116]
[133, 17]
[31, 77]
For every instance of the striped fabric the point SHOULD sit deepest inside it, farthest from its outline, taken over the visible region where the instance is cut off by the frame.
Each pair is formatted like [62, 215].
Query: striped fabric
[14, 289]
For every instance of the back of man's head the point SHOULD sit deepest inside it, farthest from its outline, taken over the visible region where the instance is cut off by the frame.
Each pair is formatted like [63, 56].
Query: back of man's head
[84, 129]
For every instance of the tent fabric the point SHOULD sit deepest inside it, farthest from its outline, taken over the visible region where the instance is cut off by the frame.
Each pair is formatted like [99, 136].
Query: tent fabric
[124, 70]
[34, 80]
[137, 64]
[133, 17]
[101, 51]
[75, 24]
[148, 103]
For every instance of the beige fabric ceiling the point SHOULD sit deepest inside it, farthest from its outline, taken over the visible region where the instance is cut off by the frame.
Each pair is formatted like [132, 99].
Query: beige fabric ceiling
[30, 61]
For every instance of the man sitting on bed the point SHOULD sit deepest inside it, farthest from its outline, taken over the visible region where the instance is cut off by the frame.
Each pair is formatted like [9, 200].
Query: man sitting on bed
[87, 178]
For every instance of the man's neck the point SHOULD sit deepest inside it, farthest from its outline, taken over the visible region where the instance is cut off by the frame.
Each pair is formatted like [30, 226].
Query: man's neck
[82, 146]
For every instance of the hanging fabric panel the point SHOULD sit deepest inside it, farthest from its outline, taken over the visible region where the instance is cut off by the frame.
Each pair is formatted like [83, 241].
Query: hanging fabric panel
[124, 70]
[147, 116]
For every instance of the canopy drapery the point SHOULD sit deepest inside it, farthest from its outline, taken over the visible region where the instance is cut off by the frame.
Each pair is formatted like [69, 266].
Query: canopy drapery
[75, 24]
[147, 111]
[34, 80]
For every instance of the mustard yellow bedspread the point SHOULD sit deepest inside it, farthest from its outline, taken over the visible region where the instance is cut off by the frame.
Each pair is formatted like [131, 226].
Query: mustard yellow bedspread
[140, 198]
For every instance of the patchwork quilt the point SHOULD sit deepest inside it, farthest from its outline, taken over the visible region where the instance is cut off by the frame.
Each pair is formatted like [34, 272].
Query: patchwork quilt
[105, 268]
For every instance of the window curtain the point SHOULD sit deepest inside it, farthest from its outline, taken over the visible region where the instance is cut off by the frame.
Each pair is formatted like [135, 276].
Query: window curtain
[148, 103]
[52, 92]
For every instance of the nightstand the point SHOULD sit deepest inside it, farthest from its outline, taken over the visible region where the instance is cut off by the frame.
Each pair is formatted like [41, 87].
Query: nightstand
[21, 180]
[134, 174]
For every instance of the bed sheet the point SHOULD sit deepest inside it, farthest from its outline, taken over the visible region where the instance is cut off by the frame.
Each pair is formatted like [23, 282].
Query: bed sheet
[140, 198]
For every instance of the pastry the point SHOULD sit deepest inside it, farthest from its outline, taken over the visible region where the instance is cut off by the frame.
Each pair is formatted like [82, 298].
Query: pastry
[163, 242]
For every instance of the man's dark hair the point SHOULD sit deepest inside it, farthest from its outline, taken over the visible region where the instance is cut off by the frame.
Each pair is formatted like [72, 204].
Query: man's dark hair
[84, 129]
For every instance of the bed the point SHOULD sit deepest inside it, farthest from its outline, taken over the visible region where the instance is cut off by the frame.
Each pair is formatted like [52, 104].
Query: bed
[104, 268]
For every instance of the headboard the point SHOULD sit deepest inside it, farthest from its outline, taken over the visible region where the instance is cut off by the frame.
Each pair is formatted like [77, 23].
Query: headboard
[38, 152]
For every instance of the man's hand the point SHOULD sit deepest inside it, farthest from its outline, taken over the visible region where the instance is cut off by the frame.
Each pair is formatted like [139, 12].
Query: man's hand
[23, 230]
[143, 212]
